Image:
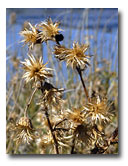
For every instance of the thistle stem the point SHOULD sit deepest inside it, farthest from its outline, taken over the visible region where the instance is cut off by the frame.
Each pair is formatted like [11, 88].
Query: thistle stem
[60, 122]
[73, 146]
[51, 129]
[50, 126]
[81, 77]
[29, 102]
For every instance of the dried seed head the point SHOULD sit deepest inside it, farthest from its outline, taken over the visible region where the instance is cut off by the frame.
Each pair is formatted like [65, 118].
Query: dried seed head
[25, 122]
[75, 117]
[52, 97]
[30, 36]
[74, 57]
[46, 139]
[86, 134]
[97, 111]
[24, 132]
[49, 30]
[35, 69]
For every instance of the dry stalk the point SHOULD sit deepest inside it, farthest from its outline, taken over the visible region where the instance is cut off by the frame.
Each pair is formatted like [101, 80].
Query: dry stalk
[84, 86]
[29, 102]
[51, 128]
[52, 132]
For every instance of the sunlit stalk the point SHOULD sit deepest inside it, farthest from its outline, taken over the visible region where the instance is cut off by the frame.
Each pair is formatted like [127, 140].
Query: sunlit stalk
[29, 102]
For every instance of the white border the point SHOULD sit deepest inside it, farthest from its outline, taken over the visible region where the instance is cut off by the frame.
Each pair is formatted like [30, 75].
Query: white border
[52, 160]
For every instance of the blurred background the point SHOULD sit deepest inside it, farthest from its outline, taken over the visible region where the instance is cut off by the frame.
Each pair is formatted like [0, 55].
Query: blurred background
[96, 27]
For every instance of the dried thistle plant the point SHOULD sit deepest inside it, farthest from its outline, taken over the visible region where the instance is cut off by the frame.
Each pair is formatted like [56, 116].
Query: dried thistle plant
[35, 69]
[74, 57]
[50, 31]
[86, 134]
[75, 117]
[24, 132]
[62, 130]
[51, 96]
[31, 36]
[46, 30]
[97, 111]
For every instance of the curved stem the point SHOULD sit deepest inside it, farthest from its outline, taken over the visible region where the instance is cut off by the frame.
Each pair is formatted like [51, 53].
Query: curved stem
[29, 102]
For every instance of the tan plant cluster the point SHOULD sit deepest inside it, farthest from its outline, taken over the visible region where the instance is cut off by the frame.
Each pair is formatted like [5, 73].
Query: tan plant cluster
[62, 130]
[44, 31]
[24, 131]
[75, 56]
[49, 30]
[35, 69]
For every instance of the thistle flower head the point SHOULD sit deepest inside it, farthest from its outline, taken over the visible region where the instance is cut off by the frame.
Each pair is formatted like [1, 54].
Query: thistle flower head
[86, 134]
[102, 144]
[49, 30]
[97, 111]
[25, 123]
[46, 139]
[30, 36]
[75, 116]
[24, 131]
[35, 69]
[75, 57]
[51, 96]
